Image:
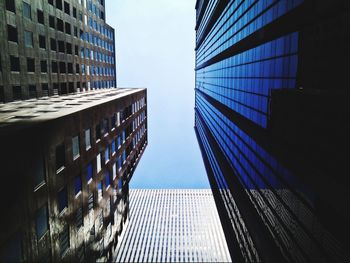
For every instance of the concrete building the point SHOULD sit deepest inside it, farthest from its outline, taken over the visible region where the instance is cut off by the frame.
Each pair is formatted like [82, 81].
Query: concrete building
[70, 141]
[173, 225]
[271, 118]
[54, 47]
[66, 162]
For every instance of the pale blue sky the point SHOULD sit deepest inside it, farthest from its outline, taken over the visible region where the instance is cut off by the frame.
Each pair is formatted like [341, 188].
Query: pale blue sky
[155, 49]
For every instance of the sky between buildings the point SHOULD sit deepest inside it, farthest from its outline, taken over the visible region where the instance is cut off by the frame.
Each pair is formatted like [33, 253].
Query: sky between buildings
[155, 49]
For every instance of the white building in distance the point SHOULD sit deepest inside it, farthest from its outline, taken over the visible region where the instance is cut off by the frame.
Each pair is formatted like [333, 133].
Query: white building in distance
[173, 225]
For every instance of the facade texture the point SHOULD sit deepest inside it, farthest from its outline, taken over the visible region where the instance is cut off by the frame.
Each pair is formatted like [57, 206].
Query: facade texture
[51, 47]
[68, 161]
[70, 141]
[270, 118]
[173, 225]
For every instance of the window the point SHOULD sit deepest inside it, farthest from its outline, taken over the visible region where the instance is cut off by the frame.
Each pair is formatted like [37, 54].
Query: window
[69, 48]
[32, 91]
[40, 16]
[53, 44]
[50, 2]
[2, 97]
[59, 24]
[64, 242]
[64, 88]
[60, 157]
[51, 21]
[42, 42]
[105, 126]
[43, 66]
[30, 65]
[87, 139]
[62, 199]
[118, 141]
[62, 67]
[120, 183]
[70, 71]
[39, 169]
[75, 143]
[98, 163]
[114, 171]
[99, 191]
[12, 34]
[61, 46]
[68, 28]
[41, 221]
[45, 89]
[27, 10]
[77, 185]
[74, 12]
[10, 6]
[77, 70]
[66, 8]
[28, 38]
[108, 179]
[76, 50]
[107, 154]
[54, 67]
[59, 4]
[75, 31]
[98, 132]
[14, 63]
[89, 172]
[70, 84]
[113, 147]
[17, 92]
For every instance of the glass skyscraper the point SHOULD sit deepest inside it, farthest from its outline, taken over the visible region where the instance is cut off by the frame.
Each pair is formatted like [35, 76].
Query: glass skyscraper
[172, 225]
[270, 118]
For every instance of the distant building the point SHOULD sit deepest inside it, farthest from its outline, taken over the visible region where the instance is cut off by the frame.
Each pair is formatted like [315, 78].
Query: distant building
[271, 118]
[66, 164]
[54, 47]
[172, 225]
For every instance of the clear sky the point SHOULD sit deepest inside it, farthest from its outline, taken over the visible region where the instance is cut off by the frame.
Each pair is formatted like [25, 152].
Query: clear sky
[155, 49]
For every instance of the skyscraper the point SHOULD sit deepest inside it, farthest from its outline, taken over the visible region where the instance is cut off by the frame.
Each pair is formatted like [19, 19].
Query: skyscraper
[172, 225]
[270, 118]
[70, 141]
[54, 47]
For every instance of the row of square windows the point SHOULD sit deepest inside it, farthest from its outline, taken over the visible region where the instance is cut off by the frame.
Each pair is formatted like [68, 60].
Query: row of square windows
[60, 67]
[103, 157]
[102, 129]
[58, 45]
[57, 89]
[27, 12]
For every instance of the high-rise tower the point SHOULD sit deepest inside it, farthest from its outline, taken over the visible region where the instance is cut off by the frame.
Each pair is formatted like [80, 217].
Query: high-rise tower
[270, 118]
[173, 225]
[54, 47]
[70, 140]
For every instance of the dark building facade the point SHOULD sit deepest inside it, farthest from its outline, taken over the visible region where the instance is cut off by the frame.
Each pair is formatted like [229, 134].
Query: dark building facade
[54, 47]
[271, 121]
[69, 140]
[66, 163]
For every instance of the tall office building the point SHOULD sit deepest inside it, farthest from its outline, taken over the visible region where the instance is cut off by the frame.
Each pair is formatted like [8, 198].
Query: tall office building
[52, 47]
[173, 225]
[271, 121]
[66, 164]
[70, 141]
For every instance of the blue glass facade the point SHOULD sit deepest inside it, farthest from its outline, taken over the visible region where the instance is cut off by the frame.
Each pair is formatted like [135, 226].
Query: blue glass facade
[245, 52]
